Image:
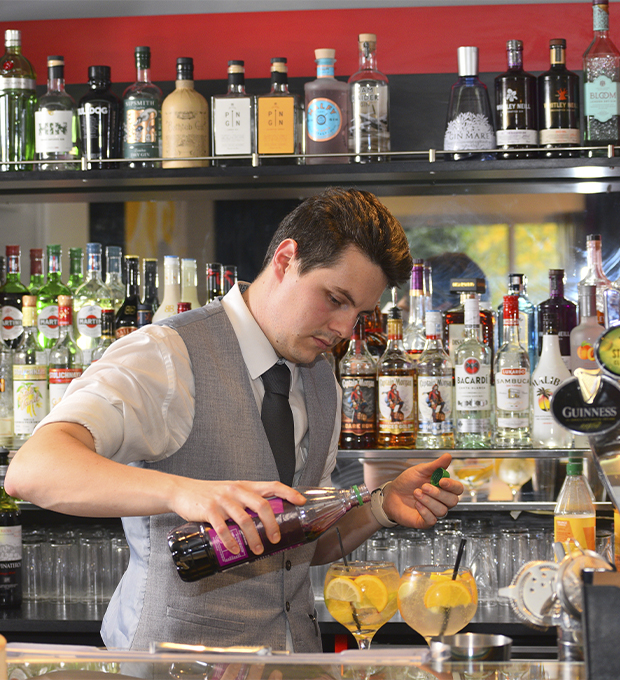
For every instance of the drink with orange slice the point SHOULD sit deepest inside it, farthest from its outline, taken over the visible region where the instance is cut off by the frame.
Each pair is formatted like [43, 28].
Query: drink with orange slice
[433, 603]
[362, 596]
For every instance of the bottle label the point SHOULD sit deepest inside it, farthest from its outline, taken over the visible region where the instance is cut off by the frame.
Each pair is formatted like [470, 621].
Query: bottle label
[580, 529]
[435, 404]
[472, 386]
[59, 379]
[232, 126]
[10, 563]
[276, 125]
[560, 136]
[89, 321]
[53, 131]
[601, 98]
[29, 397]
[141, 139]
[456, 336]
[47, 321]
[396, 404]
[323, 119]
[522, 137]
[370, 101]
[11, 323]
[358, 404]
[469, 131]
[125, 330]
[185, 133]
[512, 389]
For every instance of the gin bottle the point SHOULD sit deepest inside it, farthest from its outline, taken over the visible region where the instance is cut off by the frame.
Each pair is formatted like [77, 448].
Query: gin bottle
[11, 294]
[66, 361]
[327, 112]
[142, 115]
[370, 104]
[76, 269]
[528, 331]
[234, 119]
[414, 337]
[113, 276]
[17, 104]
[594, 274]
[47, 300]
[435, 387]
[472, 384]
[566, 312]
[189, 282]
[601, 79]
[512, 383]
[172, 289]
[469, 125]
[56, 123]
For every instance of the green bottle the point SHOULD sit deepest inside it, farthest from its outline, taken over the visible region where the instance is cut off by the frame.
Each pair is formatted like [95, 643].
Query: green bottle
[76, 269]
[47, 302]
[36, 271]
[11, 294]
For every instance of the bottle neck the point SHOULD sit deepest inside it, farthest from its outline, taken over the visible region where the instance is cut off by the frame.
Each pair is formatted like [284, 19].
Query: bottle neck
[556, 287]
[367, 58]
[325, 68]
[279, 82]
[511, 330]
[76, 267]
[184, 84]
[395, 333]
[600, 20]
[54, 266]
[55, 84]
[13, 267]
[132, 286]
[236, 83]
[143, 74]
[595, 258]
[93, 267]
[515, 60]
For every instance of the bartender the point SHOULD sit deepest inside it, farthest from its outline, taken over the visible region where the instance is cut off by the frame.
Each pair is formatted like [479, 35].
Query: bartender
[169, 426]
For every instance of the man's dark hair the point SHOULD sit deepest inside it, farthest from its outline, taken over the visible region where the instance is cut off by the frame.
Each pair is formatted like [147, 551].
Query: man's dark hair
[326, 224]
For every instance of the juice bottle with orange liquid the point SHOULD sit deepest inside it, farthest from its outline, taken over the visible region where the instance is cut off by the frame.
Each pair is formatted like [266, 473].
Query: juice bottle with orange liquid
[575, 514]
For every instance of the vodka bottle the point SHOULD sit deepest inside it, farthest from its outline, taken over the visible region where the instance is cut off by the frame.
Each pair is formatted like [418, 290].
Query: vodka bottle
[472, 384]
[48, 319]
[36, 271]
[189, 282]
[172, 289]
[528, 328]
[566, 311]
[594, 274]
[66, 361]
[512, 383]
[10, 543]
[435, 387]
[584, 336]
[113, 276]
[198, 552]
[414, 336]
[549, 374]
[76, 269]
[574, 516]
[11, 294]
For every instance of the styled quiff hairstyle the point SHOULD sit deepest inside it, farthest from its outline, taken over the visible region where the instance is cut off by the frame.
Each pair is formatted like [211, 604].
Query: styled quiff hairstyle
[325, 225]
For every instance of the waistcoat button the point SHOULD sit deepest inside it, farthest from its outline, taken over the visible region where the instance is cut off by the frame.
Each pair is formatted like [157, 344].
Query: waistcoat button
[288, 565]
[288, 606]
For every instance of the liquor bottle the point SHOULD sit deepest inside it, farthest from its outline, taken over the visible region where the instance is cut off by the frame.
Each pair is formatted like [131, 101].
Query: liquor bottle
[280, 118]
[358, 379]
[30, 393]
[172, 289]
[47, 300]
[584, 336]
[107, 334]
[512, 383]
[515, 106]
[189, 282]
[198, 552]
[89, 299]
[234, 119]
[149, 273]
[10, 543]
[56, 122]
[472, 384]
[601, 76]
[6, 393]
[594, 274]
[428, 286]
[36, 271]
[76, 269]
[127, 315]
[469, 124]
[558, 102]
[215, 273]
[145, 314]
[574, 516]
[142, 115]
[100, 116]
[549, 374]
[327, 112]
[185, 120]
[370, 104]
[435, 386]
[17, 104]
[230, 278]
[414, 336]
[113, 276]
[528, 331]
[376, 339]
[566, 311]
[66, 361]
[2, 270]
[11, 299]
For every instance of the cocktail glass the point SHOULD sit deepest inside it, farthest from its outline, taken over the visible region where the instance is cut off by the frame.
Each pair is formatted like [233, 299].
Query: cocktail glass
[473, 472]
[515, 472]
[433, 603]
[362, 596]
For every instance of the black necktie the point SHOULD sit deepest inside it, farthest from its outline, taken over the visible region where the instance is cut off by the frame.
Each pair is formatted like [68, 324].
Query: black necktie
[277, 420]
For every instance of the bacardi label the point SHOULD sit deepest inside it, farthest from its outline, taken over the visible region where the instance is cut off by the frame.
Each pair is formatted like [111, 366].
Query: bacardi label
[29, 397]
[323, 119]
[396, 404]
[47, 321]
[472, 386]
[89, 321]
[232, 127]
[358, 404]
[512, 389]
[435, 404]
[11, 323]
[53, 131]
[59, 380]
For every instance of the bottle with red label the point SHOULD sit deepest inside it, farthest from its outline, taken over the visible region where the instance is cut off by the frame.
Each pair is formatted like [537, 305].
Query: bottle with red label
[11, 294]
[66, 361]
[47, 299]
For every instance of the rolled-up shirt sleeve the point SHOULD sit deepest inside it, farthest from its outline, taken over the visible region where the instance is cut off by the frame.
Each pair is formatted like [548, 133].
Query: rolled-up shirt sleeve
[138, 400]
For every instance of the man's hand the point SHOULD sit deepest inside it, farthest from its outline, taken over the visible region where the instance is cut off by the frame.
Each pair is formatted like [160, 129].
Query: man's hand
[411, 499]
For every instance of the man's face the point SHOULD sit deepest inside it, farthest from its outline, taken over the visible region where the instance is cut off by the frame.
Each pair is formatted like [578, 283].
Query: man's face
[311, 313]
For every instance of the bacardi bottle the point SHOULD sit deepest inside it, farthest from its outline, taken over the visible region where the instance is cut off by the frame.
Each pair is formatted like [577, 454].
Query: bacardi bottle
[47, 300]
[565, 310]
[66, 361]
[11, 294]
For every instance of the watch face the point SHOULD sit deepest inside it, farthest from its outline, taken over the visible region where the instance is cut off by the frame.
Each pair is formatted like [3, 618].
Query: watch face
[607, 351]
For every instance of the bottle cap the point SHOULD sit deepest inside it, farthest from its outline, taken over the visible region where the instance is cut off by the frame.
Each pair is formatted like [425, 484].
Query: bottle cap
[468, 61]
[56, 61]
[185, 68]
[511, 307]
[29, 301]
[183, 307]
[557, 42]
[438, 475]
[278, 65]
[12, 37]
[99, 73]
[143, 56]
[325, 54]
[515, 282]
[64, 300]
[574, 467]
[13, 251]
[515, 45]
[367, 37]
[113, 251]
[37, 252]
[93, 248]
[587, 300]
[236, 66]
[593, 237]
[471, 311]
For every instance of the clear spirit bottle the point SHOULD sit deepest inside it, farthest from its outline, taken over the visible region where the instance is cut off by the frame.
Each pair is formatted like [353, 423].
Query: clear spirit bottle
[142, 115]
[127, 316]
[584, 336]
[189, 282]
[56, 122]
[528, 326]
[435, 390]
[414, 336]
[172, 289]
[234, 119]
[48, 318]
[370, 104]
[566, 311]
[11, 295]
[76, 269]
[36, 271]
[512, 383]
[594, 274]
[113, 276]
[601, 80]
[469, 124]
[472, 384]
[66, 361]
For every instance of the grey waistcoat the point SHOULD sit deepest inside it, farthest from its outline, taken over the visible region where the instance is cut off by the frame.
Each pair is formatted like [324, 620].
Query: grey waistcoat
[249, 604]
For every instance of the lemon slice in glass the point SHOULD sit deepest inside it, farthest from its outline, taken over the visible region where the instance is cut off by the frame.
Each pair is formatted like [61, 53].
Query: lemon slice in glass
[343, 589]
[447, 594]
[373, 590]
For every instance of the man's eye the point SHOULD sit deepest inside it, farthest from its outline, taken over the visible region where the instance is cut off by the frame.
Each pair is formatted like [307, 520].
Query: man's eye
[334, 301]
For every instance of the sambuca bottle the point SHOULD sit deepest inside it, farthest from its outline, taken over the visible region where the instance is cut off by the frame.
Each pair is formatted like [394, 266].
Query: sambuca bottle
[574, 517]
[198, 551]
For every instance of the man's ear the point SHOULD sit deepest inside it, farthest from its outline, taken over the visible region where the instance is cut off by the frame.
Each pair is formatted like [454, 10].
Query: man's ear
[284, 256]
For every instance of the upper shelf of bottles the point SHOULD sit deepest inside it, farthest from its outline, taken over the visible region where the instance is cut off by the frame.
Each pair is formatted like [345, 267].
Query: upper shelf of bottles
[407, 173]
